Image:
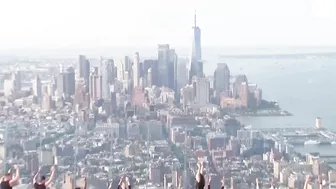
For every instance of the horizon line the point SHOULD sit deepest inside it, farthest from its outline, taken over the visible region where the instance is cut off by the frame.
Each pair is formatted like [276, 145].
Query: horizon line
[180, 46]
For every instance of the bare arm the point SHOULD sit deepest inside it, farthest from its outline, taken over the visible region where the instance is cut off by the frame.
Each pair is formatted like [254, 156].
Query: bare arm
[85, 183]
[320, 182]
[197, 176]
[180, 182]
[36, 175]
[71, 183]
[209, 182]
[17, 176]
[120, 182]
[223, 183]
[109, 186]
[202, 167]
[306, 182]
[35, 178]
[52, 175]
[128, 183]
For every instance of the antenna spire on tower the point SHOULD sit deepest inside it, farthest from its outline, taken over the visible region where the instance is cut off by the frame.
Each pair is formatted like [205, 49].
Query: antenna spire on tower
[195, 19]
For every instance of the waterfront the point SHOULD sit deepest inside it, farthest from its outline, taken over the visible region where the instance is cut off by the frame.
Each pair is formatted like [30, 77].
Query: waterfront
[304, 87]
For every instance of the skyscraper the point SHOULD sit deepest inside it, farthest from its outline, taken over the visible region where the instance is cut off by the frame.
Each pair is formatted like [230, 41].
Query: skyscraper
[196, 65]
[163, 64]
[202, 91]
[95, 87]
[70, 81]
[136, 69]
[172, 70]
[84, 69]
[181, 73]
[196, 52]
[66, 82]
[37, 87]
[221, 79]
[107, 71]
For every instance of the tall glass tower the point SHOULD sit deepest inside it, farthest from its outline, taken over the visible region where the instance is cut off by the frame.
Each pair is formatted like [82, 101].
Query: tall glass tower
[196, 53]
[196, 64]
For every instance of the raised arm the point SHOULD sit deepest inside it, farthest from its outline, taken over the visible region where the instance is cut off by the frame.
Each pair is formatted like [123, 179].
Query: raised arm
[320, 182]
[198, 172]
[180, 182]
[109, 185]
[52, 175]
[209, 182]
[202, 167]
[306, 182]
[13, 181]
[223, 183]
[36, 175]
[257, 183]
[128, 183]
[85, 183]
[120, 182]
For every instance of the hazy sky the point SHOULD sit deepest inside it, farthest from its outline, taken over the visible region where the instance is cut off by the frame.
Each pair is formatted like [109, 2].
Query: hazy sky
[109, 23]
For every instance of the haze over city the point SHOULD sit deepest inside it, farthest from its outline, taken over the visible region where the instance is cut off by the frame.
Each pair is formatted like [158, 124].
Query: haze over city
[130, 23]
[167, 94]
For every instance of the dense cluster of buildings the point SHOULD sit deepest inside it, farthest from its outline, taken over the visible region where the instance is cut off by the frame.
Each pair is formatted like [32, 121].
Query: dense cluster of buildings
[109, 84]
[150, 119]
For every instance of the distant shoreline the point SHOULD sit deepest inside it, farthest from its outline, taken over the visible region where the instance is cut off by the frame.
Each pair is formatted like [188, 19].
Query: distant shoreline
[284, 55]
[263, 113]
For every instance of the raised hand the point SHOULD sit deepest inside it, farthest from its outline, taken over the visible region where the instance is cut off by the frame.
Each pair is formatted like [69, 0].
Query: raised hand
[319, 179]
[53, 168]
[307, 178]
[16, 167]
[121, 179]
[201, 162]
[180, 180]
[199, 165]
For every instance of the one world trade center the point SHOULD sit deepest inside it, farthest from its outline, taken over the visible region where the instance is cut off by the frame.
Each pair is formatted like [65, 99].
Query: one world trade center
[196, 65]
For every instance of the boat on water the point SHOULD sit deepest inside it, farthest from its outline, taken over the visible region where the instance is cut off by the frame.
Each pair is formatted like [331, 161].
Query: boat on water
[316, 142]
[311, 142]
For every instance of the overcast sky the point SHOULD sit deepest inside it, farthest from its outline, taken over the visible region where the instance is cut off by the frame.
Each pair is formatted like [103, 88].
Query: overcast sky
[111, 23]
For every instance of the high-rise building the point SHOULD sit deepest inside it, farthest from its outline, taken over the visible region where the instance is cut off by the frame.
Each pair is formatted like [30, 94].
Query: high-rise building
[60, 84]
[127, 63]
[153, 76]
[9, 87]
[47, 103]
[181, 73]
[221, 79]
[66, 82]
[196, 52]
[172, 70]
[95, 87]
[136, 69]
[107, 71]
[202, 91]
[163, 63]
[37, 87]
[70, 81]
[16, 77]
[84, 69]
[149, 77]
[196, 65]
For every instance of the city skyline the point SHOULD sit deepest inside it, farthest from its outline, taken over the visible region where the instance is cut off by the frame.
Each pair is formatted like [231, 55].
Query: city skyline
[287, 22]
